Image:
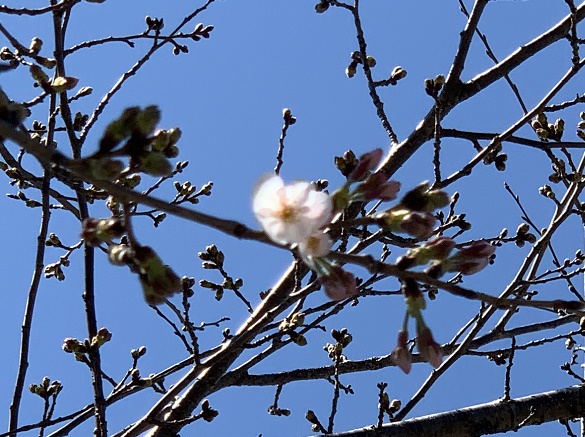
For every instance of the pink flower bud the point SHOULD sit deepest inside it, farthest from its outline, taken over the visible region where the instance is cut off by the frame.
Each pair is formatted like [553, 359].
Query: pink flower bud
[377, 186]
[479, 249]
[400, 356]
[418, 224]
[368, 162]
[436, 249]
[339, 284]
[428, 348]
[471, 259]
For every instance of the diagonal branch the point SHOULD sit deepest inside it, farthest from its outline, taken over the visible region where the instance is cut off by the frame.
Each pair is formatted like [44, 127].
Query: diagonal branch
[423, 132]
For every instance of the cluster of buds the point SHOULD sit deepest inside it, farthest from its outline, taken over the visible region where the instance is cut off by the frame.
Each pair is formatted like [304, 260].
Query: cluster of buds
[165, 142]
[436, 249]
[413, 214]
[494, 156]
[523, 236]
[81, 348]
[201, 31]
[154, 24]
[356, 59]
[559, 173]
[57, 84]
[138, 353]
[548, 131]
[46, 388]
[434, 86]
[157, 279]
[385, 404]
[288, 118]
[7, 55]
[187, 192]
[80, 120]
[467, 261]
[428, 348]
[97, 231]
[289, 325]
[342, 340]
[132, 134]
[55, 270]
[371, 185]
[213, 259]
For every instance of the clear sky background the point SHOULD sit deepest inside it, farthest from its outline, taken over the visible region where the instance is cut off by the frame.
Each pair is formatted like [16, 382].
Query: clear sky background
[227, 96]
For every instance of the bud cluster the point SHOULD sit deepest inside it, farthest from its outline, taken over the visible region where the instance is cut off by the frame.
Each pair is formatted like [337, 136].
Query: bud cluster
[434, 86]
[428, 348]
[57, 84]
[371, 185]
[213, 259]
[133, 135]
[81, 348]
[46, 388]
[356, 59]
[342, 339]
[288, 326]
[467, 261]
[97, 231]
[548, 131]
[413, 214]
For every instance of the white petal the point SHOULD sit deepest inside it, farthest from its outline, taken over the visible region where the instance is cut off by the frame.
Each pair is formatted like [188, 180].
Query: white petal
[265, 194]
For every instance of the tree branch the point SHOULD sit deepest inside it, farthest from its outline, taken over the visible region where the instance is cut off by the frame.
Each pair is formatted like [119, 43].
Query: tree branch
[490, 418]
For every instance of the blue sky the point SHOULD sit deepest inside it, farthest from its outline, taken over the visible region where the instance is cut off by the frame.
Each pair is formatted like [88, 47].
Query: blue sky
[227, 96]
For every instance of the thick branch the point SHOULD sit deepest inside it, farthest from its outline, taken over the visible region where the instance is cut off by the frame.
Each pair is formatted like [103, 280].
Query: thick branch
[491, 418]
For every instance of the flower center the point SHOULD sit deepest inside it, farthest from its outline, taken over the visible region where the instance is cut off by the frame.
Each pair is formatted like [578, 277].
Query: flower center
[312, 245]
[288, 214]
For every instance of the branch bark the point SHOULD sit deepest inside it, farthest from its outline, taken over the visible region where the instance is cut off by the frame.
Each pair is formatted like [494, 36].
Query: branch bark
[490, 418]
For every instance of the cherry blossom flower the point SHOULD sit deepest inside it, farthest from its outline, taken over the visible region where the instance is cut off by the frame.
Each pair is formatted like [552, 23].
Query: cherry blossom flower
[315, 246]
[290, 214]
